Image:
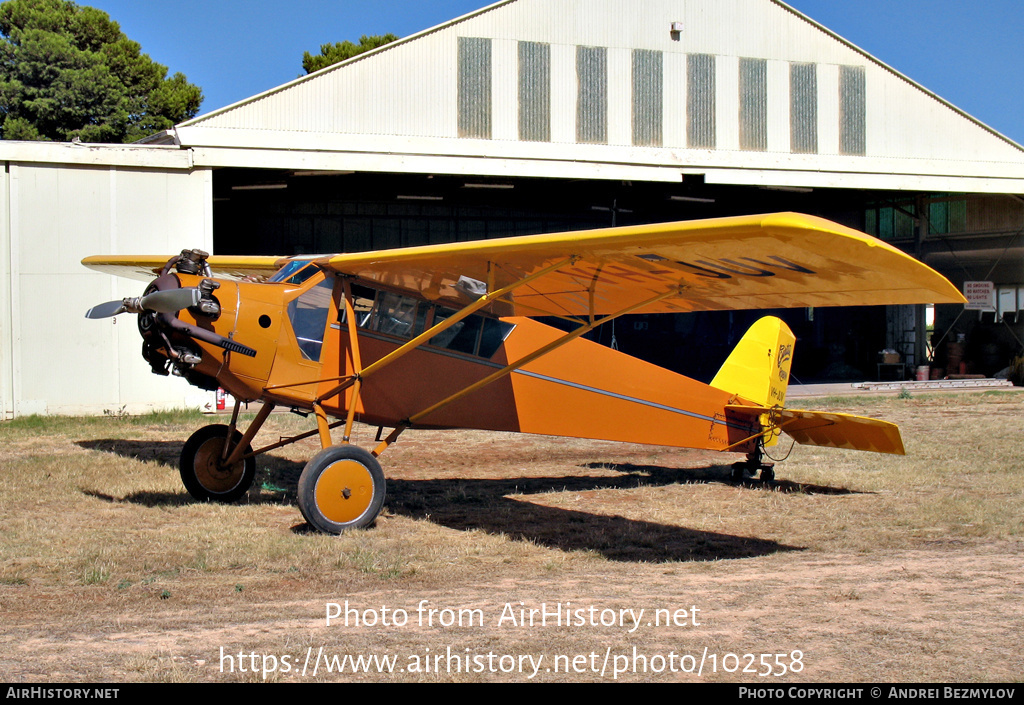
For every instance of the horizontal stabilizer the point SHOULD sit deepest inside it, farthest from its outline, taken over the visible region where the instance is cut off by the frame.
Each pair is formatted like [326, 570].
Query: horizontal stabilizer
[826, 428]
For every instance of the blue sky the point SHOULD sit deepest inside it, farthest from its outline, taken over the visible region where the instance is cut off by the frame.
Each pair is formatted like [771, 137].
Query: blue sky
[966, 52]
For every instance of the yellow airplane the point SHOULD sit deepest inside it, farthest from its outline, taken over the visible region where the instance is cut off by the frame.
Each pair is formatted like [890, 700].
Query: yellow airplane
[441, 336]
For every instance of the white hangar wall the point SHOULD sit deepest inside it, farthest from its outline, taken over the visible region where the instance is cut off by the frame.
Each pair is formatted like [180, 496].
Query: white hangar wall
[748, 92]
[58, 204]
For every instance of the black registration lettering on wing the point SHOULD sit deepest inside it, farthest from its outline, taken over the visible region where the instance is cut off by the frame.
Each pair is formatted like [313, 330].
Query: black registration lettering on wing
[725, 268]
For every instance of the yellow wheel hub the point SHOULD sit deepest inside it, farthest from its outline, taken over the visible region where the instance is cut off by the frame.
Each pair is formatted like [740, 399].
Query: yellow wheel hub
[344, 491]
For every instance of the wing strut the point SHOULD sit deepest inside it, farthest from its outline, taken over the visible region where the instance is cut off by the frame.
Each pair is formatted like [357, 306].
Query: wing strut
[462, 313]
[357, 361]
[356, 382]
[525, 360]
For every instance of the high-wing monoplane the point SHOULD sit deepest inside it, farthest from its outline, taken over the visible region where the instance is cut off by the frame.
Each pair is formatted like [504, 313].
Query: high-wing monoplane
[444, 336]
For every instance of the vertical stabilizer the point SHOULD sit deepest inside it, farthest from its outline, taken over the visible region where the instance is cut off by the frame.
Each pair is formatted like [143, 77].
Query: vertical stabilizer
[758, 368]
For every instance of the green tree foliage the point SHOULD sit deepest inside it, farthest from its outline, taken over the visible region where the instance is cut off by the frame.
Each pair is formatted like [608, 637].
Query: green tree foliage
[69, 72]
[333, 53]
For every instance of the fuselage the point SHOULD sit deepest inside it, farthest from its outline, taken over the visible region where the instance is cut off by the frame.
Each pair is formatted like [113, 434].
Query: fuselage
[300, 330]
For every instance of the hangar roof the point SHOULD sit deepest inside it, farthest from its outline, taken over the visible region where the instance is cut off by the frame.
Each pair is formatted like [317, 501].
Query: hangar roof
[740, 91]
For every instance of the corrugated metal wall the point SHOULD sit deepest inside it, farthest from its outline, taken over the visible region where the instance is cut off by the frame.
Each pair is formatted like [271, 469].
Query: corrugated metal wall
[989, 214]
[592, 94]
[754, 104]
[648, 97]
[534, 91]
[952, 214]
[700, 101]
[474, 87]
[852, 110]
[803, 108]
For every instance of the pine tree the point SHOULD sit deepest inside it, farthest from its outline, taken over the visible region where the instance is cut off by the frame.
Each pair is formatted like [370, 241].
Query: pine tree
[67, 71]
[333, 53]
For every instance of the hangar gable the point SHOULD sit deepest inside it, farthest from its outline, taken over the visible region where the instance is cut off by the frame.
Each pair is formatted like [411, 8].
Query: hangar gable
[743, 91]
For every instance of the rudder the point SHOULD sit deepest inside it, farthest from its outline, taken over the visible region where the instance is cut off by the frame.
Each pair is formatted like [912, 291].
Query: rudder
[758, 367]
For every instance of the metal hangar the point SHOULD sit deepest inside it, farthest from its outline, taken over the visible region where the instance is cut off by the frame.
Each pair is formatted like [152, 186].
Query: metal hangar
[532, 116]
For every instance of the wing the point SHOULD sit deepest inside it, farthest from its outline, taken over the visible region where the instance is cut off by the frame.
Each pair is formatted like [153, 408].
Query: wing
[145, 267]
[826, 428]
[783, 260]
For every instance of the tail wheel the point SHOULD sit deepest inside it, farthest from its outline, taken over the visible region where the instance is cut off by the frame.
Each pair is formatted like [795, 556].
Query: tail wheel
[341, 487]
[740, 471]
[205, 476]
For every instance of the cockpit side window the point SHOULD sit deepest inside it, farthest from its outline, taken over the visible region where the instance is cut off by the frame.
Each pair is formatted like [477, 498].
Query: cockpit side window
[308, 316]
[405, 317]
[462, 336]
[492, 336]
[362, 305]
[399, 315]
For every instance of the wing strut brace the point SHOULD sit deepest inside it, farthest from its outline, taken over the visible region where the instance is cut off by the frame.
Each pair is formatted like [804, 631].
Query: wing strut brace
[525, 360]
[354, 382]
[419, 340]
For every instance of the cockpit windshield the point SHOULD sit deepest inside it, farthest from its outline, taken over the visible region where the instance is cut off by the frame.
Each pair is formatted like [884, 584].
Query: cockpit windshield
[295, 272]
[308, 316]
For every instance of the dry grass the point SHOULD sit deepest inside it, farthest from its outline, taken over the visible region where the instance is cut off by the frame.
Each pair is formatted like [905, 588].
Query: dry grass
[874, 567]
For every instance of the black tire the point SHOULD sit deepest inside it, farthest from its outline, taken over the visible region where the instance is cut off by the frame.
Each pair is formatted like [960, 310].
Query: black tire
[740, 471]
[341, 488]
[201, 470]
[767, 475]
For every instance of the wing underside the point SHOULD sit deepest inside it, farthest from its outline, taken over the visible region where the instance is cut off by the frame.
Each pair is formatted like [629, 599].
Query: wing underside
[145, 267]
[784, 260]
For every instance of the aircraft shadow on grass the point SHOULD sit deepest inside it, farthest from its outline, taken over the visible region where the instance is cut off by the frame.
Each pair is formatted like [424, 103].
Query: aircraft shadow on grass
[498, 506]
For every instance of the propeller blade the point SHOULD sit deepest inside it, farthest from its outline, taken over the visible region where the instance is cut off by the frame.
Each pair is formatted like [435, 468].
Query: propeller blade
[170, 300]
[111, 308]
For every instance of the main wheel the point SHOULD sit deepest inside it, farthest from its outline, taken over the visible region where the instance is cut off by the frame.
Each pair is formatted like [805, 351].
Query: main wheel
[341, 487]
[202, 472]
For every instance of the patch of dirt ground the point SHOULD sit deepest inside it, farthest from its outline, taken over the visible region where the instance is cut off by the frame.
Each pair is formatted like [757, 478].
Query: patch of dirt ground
[514, 558]
[942, 613]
